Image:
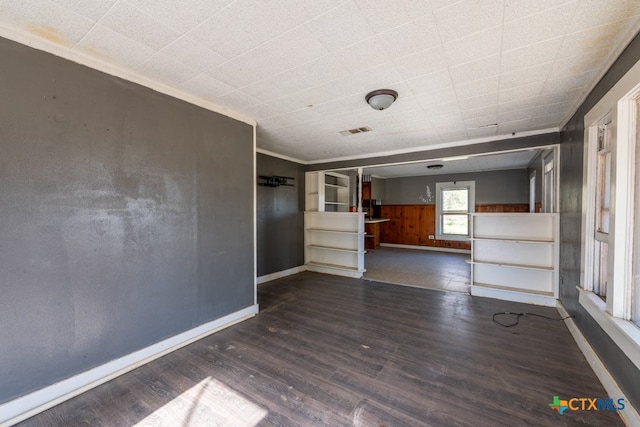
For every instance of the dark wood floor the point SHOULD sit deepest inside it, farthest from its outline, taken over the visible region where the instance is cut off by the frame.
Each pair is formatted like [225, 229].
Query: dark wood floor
[332, 351]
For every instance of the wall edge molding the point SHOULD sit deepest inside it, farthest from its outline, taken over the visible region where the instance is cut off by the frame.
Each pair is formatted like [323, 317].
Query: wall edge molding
[103, 67]
[629, 415]
[444, 145]
[280, 156]
[280, 274]
[26, 406]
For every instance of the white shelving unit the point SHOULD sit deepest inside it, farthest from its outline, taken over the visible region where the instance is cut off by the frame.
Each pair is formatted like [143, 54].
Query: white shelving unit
[334, 237]
[514, 257]
[336, 192]
[326, 192]
[334, 243]
[312, 191]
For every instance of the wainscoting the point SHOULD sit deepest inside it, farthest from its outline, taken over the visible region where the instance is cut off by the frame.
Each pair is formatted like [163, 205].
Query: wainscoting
[413, 224]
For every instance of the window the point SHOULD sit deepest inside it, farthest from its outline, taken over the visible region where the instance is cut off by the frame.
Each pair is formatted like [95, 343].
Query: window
[455, 201]
[532, 192]
[602, 207]
[611, 214]
[603, 185]
[548, 183]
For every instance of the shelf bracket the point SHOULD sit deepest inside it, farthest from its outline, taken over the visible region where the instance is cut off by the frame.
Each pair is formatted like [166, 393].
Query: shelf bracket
[275, 181]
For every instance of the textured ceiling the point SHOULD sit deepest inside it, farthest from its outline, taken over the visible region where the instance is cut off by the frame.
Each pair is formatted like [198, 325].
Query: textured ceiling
[301, 68]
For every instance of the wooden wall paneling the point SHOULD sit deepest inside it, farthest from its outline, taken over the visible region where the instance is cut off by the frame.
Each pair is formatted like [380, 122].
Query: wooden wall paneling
[430, 224]
[366, 191]
[412, 225]
[399, 213]
[389, 230]
[503, 207]
[454, 244]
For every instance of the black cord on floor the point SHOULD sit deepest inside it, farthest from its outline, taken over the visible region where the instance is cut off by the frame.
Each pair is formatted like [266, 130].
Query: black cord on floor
[519, 315]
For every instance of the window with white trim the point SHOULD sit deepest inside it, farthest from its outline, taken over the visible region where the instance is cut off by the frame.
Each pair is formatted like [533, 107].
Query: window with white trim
[611, 214]
[532, 192]
[455, 200]
[548, 183]
[602, 132]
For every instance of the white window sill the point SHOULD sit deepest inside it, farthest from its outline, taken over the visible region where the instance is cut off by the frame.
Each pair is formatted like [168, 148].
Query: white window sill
[451, 237]
[623, 332]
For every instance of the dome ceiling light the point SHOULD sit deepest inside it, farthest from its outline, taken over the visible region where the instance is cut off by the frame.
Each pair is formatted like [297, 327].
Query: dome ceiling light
[381, 99]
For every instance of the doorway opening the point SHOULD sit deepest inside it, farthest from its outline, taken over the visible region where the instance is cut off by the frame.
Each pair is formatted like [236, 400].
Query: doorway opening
[410, 248]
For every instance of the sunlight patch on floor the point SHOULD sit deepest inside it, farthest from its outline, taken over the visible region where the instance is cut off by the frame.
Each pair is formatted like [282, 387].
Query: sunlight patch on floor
[208, 403]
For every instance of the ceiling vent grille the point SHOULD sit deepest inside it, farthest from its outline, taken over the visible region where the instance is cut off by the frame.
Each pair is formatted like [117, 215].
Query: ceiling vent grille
[355, 130]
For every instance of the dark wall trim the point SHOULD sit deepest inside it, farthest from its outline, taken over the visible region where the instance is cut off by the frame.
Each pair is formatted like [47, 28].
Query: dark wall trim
[483, 148]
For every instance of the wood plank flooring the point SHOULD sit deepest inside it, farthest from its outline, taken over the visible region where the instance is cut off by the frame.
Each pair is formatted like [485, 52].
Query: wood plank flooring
[331, 351]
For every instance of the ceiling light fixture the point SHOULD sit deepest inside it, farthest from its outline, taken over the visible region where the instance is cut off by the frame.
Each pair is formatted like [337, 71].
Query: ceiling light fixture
[381, 99]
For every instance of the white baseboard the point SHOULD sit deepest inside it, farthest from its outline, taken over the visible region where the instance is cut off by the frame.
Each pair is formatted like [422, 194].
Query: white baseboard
[629, 414]
[33, 403]
[426, 248]
[515, 296]
[345, 272]
[280, 274]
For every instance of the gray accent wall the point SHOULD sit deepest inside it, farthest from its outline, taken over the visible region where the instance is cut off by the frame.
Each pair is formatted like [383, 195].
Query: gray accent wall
[280, 214]
[126, 218]
[505, 186]
[625, 373]
[378, 188]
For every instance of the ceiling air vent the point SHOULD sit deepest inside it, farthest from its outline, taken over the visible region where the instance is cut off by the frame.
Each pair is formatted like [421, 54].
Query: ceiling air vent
[355, 130]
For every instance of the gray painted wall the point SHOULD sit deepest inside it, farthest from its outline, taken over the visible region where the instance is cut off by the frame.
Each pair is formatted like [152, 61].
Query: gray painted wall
[506, 186]
[571, 156]
[280, 224]
[378, 188]
[127, 217]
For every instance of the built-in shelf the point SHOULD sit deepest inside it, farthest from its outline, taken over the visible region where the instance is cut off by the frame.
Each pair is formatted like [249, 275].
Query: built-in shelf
[326, 230]
[327, 192]
[515, 256]
[334, 237]
[504, 264]
[514, 240]
[334, 248]
[506, 288]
